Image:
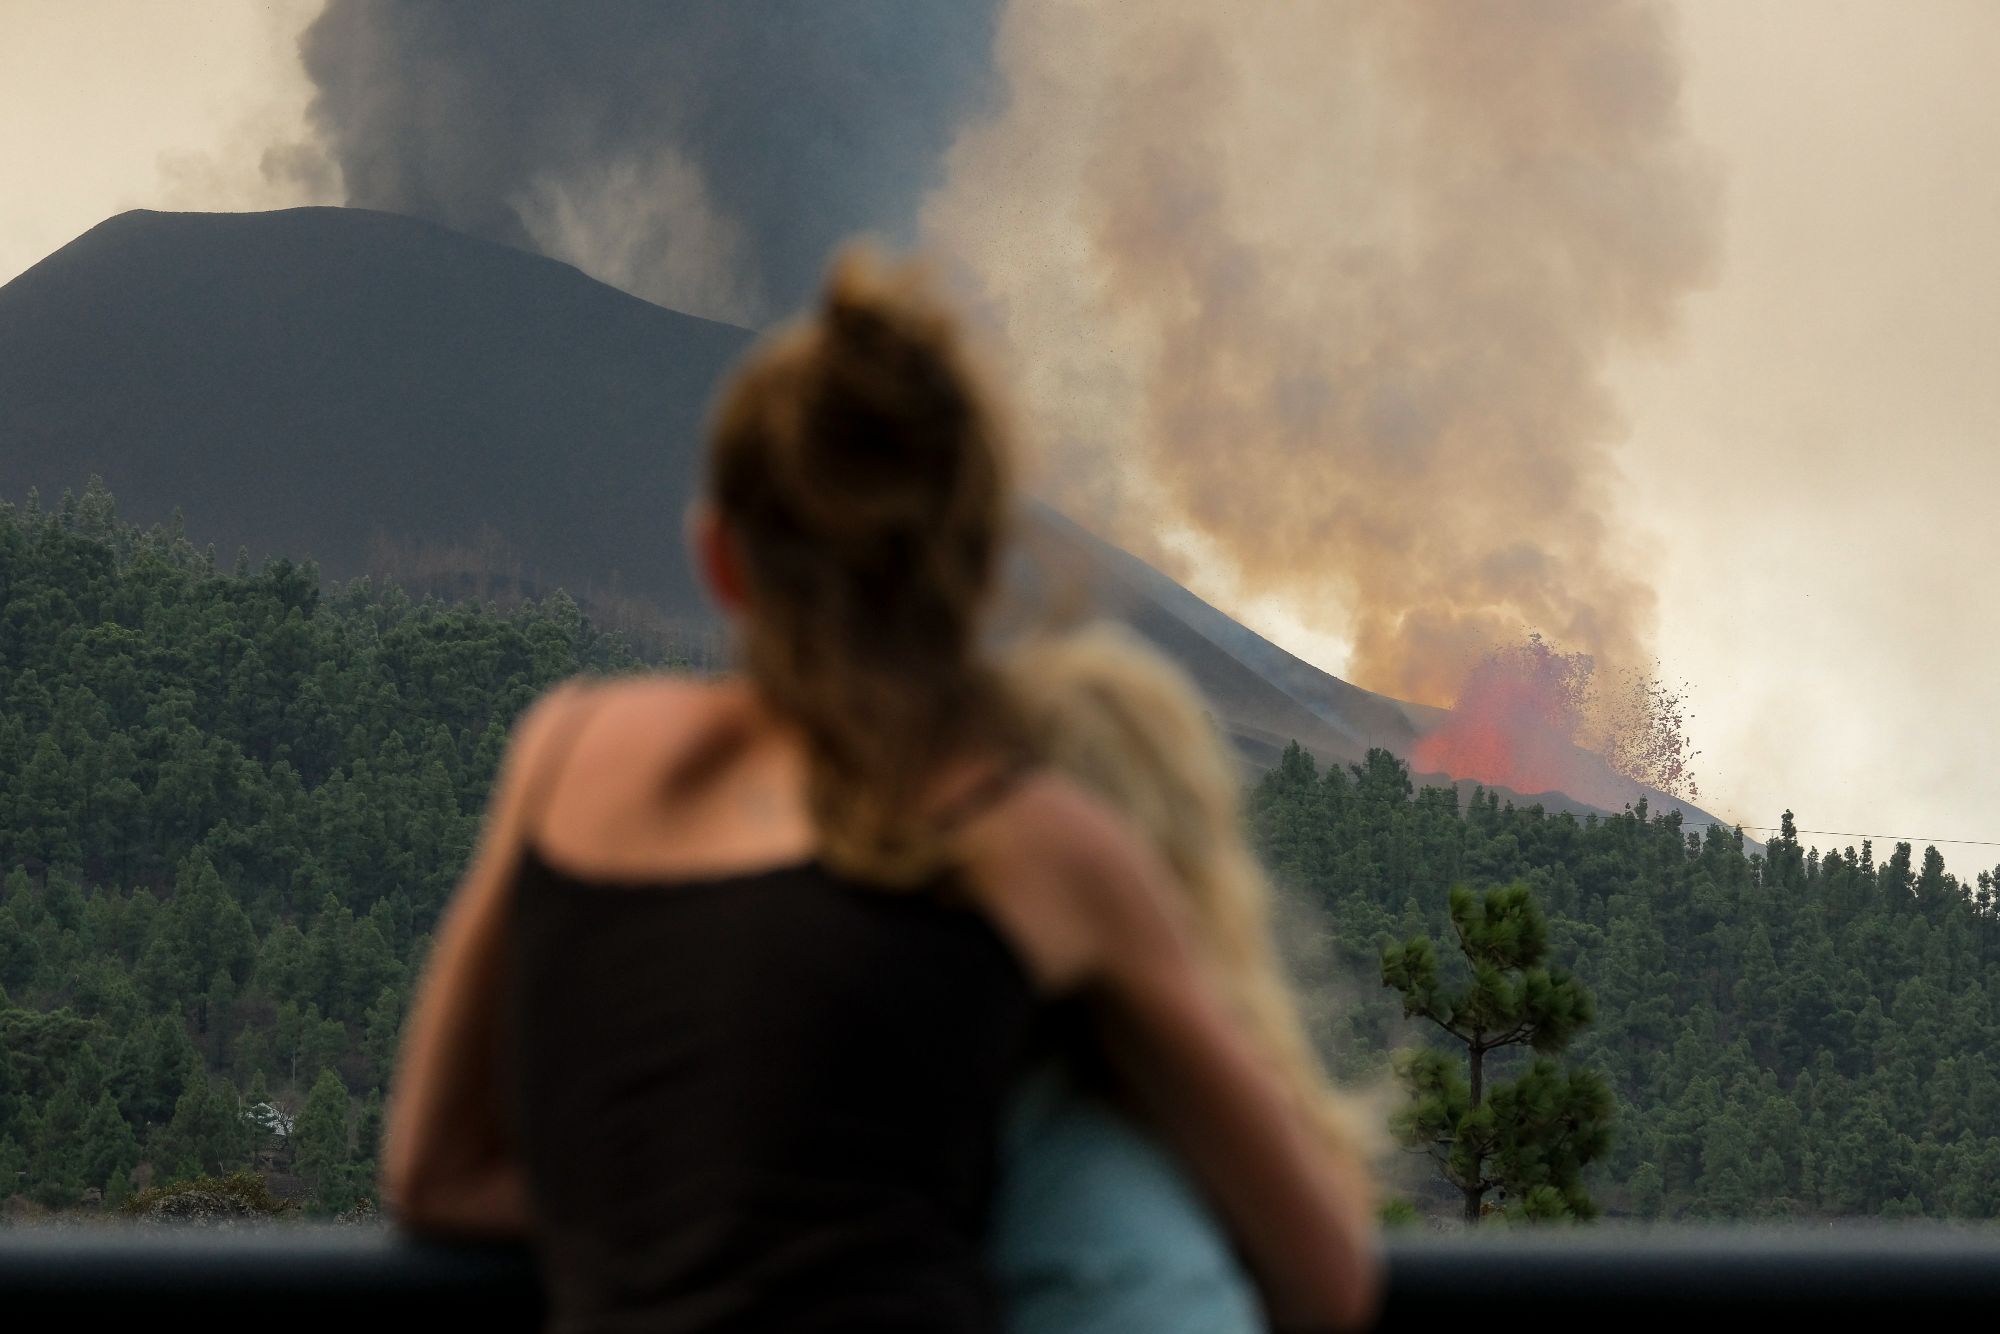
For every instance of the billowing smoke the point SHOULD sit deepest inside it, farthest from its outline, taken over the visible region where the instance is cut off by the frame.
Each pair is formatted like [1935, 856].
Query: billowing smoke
[703, 154]
[1312, 302]
[1324, 294]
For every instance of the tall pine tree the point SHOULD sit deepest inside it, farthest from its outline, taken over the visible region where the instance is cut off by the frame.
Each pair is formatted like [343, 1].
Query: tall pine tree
[1530, 1137]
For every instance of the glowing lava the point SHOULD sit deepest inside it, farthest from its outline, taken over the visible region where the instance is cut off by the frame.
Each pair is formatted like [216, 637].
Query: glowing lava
[1535, 719]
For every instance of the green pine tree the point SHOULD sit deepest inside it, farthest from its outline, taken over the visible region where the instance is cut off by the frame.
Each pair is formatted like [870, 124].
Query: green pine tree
[1531, 1137]
[109, 1149]
[208, 1135]
[321, 1142]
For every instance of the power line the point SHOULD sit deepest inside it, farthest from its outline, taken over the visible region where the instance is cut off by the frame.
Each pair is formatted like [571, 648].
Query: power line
[1912, 839]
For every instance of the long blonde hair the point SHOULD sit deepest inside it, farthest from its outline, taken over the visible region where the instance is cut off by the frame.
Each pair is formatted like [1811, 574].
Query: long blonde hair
[1117, 718]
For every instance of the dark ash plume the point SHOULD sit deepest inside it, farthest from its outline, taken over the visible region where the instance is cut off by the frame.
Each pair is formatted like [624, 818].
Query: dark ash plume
[703, 155]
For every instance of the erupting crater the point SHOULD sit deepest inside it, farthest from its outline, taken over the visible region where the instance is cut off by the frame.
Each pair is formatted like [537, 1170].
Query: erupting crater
[1536, 719]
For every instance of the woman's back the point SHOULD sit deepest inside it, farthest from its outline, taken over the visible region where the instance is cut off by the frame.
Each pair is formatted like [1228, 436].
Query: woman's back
[761, 1099]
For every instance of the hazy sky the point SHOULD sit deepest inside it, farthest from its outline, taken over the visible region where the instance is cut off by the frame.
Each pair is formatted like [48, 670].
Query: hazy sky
[1817, 469]
[107, 105]
[1812, 471]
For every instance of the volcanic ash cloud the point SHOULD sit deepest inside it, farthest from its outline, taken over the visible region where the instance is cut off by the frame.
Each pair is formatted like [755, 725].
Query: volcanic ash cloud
[700, 154]
[1327, 291]
[1309, 302]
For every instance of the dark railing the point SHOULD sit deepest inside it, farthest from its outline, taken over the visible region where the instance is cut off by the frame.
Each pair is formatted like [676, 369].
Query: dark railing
[367, 1281]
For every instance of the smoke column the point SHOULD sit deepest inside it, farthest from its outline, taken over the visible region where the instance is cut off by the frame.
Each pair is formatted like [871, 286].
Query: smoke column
[1326, 291]
[1310, 299]
[703, 155]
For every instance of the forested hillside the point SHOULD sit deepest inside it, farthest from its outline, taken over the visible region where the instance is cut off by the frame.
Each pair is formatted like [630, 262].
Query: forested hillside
[1798, 1034]
[231, 805]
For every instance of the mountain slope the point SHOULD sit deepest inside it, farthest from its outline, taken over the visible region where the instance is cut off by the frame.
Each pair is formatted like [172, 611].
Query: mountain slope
[1070, 570]
[371, 389]
[389, 396]
[1268, 697]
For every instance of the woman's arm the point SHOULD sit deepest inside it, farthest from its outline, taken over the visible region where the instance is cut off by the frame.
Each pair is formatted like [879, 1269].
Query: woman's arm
[447, 1163]
[1099, 912]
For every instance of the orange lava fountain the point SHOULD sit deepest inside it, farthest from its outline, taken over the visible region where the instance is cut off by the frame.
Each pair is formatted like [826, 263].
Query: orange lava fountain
[1534, 719]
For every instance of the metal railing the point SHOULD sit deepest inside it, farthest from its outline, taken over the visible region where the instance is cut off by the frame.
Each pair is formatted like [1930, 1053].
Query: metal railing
[371, 1281]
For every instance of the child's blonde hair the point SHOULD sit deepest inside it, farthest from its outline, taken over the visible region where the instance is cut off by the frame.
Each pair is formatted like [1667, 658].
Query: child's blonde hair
[1116, 717]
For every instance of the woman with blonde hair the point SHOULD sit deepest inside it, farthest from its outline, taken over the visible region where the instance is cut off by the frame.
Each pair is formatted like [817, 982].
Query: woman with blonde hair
[1097, 1228]
[724, 1014]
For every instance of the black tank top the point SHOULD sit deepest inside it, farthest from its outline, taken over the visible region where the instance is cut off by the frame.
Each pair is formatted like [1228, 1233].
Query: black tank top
[764, 1101]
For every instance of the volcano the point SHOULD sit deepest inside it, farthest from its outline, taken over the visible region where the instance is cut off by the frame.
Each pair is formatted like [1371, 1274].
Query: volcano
[394, 398]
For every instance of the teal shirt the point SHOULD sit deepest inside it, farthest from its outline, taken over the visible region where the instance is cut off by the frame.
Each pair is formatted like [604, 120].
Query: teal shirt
[1097, 1230]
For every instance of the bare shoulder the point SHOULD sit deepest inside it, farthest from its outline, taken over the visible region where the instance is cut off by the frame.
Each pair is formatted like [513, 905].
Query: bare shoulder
[1051, 817]
[656, 694]
[656, 707]
[1063, 874]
